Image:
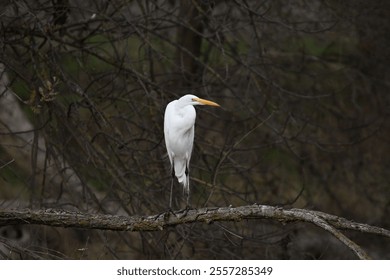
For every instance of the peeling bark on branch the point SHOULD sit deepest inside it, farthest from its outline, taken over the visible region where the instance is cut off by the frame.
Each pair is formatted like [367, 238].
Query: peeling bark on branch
[61, 218]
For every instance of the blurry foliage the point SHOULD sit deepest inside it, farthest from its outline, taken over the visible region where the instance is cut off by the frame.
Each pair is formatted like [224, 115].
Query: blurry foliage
[304, 118]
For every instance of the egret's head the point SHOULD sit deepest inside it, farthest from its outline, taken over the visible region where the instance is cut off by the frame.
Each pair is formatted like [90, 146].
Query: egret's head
[194, 100]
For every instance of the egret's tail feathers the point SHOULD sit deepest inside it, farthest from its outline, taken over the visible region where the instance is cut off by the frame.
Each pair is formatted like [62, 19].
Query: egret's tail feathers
[186, 186]
[181, 174]
[185, 181]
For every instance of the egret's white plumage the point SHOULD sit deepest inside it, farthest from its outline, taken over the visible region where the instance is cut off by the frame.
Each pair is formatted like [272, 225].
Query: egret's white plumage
[179, 121]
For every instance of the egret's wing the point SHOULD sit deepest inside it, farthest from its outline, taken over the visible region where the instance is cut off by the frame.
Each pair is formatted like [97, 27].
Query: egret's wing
[169, 114]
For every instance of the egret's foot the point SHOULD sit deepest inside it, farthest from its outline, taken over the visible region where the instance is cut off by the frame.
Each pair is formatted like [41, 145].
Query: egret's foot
[165, 214]
[184, 211]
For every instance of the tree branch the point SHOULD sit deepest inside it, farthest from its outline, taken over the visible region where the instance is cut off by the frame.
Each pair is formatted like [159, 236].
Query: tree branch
[61, 218]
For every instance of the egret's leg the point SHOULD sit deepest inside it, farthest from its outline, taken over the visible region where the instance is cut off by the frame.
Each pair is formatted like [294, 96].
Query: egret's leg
[188, 186]
[170, 196]
[188, 200]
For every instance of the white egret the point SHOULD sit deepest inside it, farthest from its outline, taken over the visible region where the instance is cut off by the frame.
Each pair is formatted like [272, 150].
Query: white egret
[179, 121]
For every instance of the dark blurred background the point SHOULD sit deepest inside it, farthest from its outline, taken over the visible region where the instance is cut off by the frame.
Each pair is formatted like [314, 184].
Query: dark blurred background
[304, 89]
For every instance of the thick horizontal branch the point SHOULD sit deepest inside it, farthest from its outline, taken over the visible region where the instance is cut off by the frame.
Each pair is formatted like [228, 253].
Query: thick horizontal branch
[61, 218]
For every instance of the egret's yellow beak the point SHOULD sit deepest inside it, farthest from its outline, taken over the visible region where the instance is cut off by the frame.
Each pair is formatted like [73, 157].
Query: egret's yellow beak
[205, 102]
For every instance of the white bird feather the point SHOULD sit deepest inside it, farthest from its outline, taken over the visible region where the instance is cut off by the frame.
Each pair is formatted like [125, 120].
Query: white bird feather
[179, 122]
